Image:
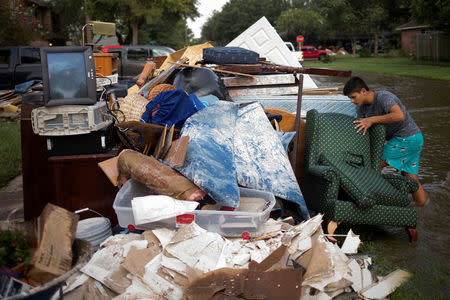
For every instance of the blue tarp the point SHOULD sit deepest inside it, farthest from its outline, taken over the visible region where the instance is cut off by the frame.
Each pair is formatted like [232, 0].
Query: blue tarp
[209, 159]
[260, 159]
[231, 145]
[23, 87]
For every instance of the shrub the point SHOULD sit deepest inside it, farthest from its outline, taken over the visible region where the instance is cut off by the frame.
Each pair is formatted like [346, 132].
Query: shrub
[394, 53]
[17, 25]
[13, 249]
[365, 52]
[328, 59]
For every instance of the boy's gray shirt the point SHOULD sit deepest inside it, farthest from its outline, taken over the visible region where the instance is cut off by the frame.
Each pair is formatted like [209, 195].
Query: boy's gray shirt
[381, 105]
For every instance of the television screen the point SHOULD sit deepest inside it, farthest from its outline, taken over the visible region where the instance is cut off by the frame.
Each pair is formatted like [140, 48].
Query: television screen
[67, 76]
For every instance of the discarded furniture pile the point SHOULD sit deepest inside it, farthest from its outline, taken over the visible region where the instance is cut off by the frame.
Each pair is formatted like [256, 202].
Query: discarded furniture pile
[200, 182]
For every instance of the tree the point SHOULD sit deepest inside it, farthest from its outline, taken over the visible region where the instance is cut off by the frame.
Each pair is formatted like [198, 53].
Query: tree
[17, 25]
[237, 15]
[301, 21]
[137, 13]
[436, 13]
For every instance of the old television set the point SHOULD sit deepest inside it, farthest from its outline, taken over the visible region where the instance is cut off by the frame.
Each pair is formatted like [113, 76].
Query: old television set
[68, 76]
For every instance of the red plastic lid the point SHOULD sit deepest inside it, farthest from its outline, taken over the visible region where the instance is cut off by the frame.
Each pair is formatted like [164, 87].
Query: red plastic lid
[131, 227]
[185, 219]
[245, 235]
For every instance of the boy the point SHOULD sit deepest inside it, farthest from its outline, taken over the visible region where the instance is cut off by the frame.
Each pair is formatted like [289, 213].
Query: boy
[404, 139]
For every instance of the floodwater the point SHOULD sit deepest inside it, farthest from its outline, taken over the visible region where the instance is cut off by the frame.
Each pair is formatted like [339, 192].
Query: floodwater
[428, 102]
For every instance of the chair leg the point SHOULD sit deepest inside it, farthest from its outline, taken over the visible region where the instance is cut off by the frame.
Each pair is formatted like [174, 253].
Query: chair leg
[413, 234]
[332, 225]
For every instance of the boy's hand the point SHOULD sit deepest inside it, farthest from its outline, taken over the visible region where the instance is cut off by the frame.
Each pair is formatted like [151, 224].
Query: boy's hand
[363, 124]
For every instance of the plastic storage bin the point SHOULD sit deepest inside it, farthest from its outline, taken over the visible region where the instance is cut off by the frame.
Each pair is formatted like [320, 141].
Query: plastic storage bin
[70, 119]
[226, 223]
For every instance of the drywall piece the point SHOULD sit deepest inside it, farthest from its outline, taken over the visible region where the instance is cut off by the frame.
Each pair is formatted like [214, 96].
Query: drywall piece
[196, 247]
[327, 271]
[164, 236]
[386, 286]
[261, 37]
[351, 243]
[121, 239]
[137, 259]
[138, 289]
[157, 283]
[356, 275]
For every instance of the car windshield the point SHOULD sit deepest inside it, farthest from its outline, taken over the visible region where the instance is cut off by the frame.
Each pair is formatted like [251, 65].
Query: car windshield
[161, 52]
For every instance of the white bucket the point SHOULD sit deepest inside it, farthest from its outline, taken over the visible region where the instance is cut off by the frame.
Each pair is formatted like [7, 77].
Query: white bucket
[94, 230]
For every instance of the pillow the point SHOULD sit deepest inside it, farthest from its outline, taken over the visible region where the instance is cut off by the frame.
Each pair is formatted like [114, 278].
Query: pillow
[365, 186]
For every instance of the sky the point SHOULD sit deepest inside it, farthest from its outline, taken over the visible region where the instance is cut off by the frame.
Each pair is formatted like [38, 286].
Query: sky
[205, 9]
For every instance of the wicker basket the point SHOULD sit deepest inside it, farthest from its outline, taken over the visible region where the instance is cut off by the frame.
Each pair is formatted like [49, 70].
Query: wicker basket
[133, 106]
[164, 87]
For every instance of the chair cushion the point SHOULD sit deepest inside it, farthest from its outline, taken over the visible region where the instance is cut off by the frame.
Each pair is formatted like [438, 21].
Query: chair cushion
[365, 186]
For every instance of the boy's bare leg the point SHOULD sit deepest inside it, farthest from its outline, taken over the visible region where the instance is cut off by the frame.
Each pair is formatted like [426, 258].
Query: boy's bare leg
[419, 196]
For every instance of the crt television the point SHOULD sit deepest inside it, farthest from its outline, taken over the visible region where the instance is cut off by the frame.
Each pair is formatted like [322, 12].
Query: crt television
[68, 76]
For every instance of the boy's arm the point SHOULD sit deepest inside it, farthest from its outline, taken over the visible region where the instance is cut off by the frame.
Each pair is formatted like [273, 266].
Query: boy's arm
[395, 115]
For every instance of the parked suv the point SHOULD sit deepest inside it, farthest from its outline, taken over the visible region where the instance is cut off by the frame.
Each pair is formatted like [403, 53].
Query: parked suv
[133, 58]
[310, 52]
[19, 64]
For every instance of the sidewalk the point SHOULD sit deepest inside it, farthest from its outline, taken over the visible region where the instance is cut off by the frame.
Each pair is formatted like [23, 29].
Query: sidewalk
[11, 199]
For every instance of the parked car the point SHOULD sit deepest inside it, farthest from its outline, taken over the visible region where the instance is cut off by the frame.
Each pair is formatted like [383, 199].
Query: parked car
[297, 54]
[311, 52]
[19, 64]
[133, 58]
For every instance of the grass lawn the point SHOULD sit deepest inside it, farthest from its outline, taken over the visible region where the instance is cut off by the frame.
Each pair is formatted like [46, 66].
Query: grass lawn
[10, 152]
[401, 66]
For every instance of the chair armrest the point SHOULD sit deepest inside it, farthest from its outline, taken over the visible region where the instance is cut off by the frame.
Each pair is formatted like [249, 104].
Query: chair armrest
[325, 172]
[402, 183]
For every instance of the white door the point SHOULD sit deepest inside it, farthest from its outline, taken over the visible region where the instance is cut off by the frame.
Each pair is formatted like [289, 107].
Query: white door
[261, 37]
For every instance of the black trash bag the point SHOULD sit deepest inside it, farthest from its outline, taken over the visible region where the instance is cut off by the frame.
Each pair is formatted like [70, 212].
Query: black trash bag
[201, 82]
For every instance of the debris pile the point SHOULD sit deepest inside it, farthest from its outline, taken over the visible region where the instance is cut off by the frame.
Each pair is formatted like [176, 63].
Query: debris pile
[286, 262]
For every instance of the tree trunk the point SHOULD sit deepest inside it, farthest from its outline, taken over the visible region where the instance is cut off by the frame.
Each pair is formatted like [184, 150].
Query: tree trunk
[87, 20]
[134, 33]
[353, 46]
[375, 45]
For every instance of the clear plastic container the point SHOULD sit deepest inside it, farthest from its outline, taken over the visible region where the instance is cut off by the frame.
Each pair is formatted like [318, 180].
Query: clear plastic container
[70, 119]
[226, 223]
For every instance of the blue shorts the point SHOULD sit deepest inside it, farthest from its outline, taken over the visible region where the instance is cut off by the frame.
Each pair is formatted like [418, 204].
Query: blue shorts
[403, 153]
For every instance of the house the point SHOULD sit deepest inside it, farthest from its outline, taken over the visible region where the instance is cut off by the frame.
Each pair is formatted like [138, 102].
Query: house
[409, 31]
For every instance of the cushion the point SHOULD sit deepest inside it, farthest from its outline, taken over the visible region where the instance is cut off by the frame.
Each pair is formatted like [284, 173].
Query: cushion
[365, 186]
[230, 55]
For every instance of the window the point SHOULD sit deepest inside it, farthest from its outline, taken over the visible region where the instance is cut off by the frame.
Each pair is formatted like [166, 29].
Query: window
[137, 54]
[30, 56]
[5, 55]
[304, 49]
[115, 50]
[311, 49]
[160, 52]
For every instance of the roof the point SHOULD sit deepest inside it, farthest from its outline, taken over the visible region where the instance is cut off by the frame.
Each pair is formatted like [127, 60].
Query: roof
[411, 25]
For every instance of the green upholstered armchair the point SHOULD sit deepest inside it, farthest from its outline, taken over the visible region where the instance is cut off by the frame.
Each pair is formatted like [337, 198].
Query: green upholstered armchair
[342, 176]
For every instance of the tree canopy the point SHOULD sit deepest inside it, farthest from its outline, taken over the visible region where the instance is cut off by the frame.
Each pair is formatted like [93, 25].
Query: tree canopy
[323, 21]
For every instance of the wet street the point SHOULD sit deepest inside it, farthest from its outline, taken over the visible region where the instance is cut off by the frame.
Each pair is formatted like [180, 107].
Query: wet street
[428, 102]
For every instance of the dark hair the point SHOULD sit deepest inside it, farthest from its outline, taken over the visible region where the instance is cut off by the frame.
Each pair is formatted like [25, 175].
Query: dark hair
[354, 84]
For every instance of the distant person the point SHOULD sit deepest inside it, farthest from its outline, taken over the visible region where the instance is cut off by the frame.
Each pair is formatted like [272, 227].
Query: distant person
[404, 138]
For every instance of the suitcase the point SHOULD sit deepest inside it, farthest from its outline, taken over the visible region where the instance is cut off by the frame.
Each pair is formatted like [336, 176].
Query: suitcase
[230, 55]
